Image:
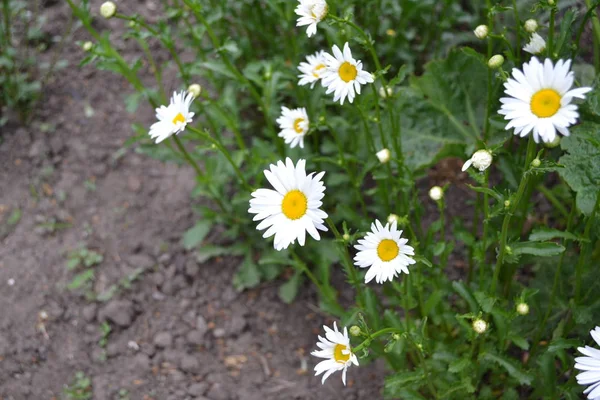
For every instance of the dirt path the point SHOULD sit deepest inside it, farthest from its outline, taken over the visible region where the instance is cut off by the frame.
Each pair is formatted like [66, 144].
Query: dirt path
[179, 331]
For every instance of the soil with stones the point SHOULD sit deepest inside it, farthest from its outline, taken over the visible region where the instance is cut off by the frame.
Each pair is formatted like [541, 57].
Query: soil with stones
[169, 328]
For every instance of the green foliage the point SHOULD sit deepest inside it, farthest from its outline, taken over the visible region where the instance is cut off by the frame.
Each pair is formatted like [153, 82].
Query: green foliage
[79, 389]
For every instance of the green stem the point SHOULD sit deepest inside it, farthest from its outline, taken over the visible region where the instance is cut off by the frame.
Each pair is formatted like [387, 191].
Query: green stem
[347, 262]
[488, 110]
[585, 248]
[518, 30]
[510, 211]
[187, 156]
[375, 335]
[551, 32]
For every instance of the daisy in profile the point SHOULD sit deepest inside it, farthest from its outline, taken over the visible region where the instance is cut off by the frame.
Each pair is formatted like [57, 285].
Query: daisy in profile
[294, 126]
[591, 367]
[344, 75]
[292, 209]
[312, 69]
[384, 252]
[173, 118]
[335, 349]
[311, 12]
[540, 100]
[536, 44]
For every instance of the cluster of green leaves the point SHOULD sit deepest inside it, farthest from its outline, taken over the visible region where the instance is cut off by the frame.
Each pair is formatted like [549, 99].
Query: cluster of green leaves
[83, 261]
[80, 388]
[443, 104]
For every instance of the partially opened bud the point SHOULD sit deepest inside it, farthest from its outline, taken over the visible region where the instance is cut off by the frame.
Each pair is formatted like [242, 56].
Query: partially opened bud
[522, 309]
[481, 31]
[531, 25]
[480, 326]
[108, 9]
[496, 61]
[195, 89]
[383, 156]
[87, 46]
[436, 193]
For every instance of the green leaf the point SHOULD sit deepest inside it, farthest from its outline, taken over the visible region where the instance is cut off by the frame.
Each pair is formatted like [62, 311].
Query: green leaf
[289, 290]
[247, 275]
[561, 344]
[439, 248]
[489, 191]
[581, 167]
[466, 294]
[400, 380]
[545, 234]
[510, 366]
[519, 341]
[433, 301]
[207, 252]
[81, 279]
[73, 263]
[539, 249]
[459, 365]
[485, 301]
[195, 235]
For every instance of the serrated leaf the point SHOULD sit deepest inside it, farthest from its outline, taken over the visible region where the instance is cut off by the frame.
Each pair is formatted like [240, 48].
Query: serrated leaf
[561, 344]
[205, 253]
[581, 167]
[81, 279]
[195, 235]
[510, 366]
[539, 249]
[545, 234]
[247, 275]
[485, 302]
[459, 365]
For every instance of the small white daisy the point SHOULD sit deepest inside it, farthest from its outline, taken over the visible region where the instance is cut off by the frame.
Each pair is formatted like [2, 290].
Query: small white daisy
[536, 44]
[311, 12]
[312, 69]
[173, 118]
[384, 252]
[591, 365]
[294, 126]
[335, 348]
[292, 209]
[540, 98]
[344, 75]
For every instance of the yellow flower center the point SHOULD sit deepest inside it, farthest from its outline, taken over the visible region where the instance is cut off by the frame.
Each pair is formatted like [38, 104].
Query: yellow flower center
[338, 355]
[178, 118]
[317, 69]
[294, 204]
[545, 103]
[347, 72]
[297, 126]
[387, 249]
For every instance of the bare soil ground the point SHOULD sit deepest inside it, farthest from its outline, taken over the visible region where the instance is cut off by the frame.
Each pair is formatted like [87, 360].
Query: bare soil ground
[180, 331]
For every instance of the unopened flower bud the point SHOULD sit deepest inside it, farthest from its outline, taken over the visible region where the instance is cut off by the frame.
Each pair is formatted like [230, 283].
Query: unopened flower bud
[480, 326]
[508, 250]
[87, 46]
[551, 2]
[522, 309]
[385, 92]
[506, 203]
[346, 237]
[393, 217]
[436, 193]
[195, 89]
[108, 9]
[496, 61]
[481, 160]
[481, 31]
[391, 32]
[536, 162]
[383, 156]
[355, 330]
[531, 25]
[554, 143]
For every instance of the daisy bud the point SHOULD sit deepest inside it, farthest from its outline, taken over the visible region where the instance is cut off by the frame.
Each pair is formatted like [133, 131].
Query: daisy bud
[551, 2]
[383, 156]
[481, 31]
[393, 217]
[346, 237]
[480, 326]
[496, 61]
[436, 193]
[531, 25]
[355, 330]
[522, 309]
[506, 203]
[508, 250]
[108, 9]
[554, 143]
[194, 89]
[481, 160]
[536, 163]
[87, 46]
[390, 32]
[385, 92]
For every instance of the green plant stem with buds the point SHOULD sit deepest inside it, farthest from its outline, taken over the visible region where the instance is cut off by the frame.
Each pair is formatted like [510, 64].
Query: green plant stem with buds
[513, 206]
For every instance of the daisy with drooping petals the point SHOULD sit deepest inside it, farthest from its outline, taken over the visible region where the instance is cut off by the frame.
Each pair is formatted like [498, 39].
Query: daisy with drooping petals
[536, 44]
[591, 367]
[384, 252]
[344, 75]
[540, 99]
[312, 69]
[292, 209]
[294, 126]
[335, 348]
[173, 118]
[311, 12]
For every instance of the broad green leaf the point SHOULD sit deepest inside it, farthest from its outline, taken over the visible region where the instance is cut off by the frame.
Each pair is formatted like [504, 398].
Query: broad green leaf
[247, 275]
[401, 380]
[433, 301]
[485, 301]
[289, 290]
[519, 341]
[466, 294]
[539, 249]
[545, 234]
[510, 366]
[195, 235]
[581, 167]
[459, 365]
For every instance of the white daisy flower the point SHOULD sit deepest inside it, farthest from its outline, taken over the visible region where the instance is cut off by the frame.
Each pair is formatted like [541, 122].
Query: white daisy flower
[540, 98]
[292, 209]
[335, 348]
[173, 118]
[312, 69]
[384, 252]
[591, 365]
[344, 75]
[294, 126]
[311, 12]
[536, 44]
[481, 160]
